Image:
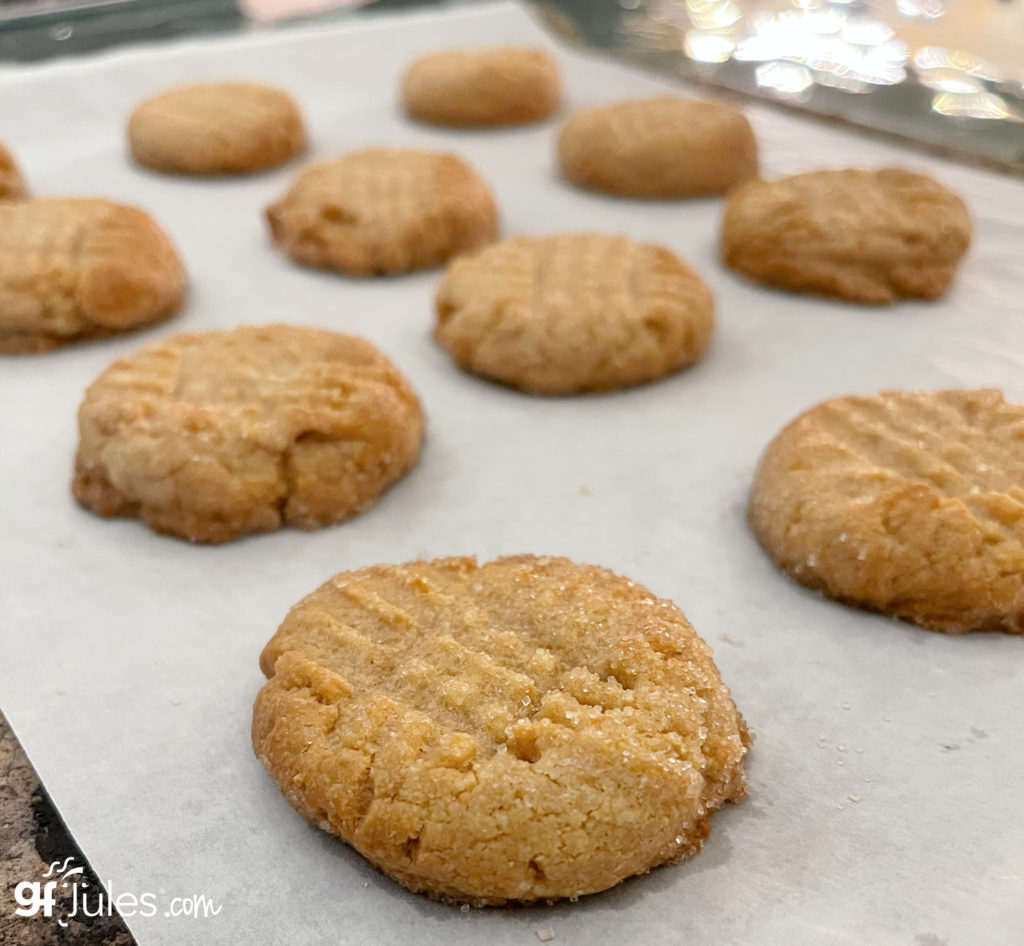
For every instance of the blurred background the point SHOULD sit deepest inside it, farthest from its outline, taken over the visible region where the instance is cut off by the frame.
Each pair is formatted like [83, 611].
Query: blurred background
[945, 75]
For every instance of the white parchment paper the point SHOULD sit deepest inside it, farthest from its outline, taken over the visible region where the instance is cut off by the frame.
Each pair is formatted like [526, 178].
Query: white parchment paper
[887, 781]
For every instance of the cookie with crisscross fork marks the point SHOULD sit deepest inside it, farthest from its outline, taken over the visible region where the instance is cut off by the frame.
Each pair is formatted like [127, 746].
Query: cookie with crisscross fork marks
[573, 312]
[666, 147]
[907, 503]
[216, 128]
[12, 184]
[73, 269]
[869, 236]
[215, 434]
[521, 730]
[384, 210]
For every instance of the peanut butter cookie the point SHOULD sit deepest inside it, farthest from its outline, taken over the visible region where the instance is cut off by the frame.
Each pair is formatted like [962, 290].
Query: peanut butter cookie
[215, 434]
[73, 269]
[865, 236]
[216, 128]
[526, 729]
[572, 313]
[505, 85]
[12, 184]
[907, 503]
[664, 147]
[384, 210]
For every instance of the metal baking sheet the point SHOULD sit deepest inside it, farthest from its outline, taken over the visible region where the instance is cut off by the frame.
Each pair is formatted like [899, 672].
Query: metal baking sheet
[887, 779]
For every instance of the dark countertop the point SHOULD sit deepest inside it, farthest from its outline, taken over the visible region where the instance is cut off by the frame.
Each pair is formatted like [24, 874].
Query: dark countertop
[32, 836]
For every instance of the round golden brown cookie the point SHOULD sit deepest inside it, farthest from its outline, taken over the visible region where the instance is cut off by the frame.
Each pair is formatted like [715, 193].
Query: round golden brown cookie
[522, 730]
[73, 269]
[216, 128]
[907, 503]
[573, 312]
[384, 210]
[215, 434]
[12, 184]
[865, 236]
[663, 147]
[505, 85]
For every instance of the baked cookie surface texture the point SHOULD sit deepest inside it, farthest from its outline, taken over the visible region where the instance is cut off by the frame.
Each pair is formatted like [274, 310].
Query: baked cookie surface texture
[74, 269]
[525, 729]
[665, 147]
[384, 210]
[211, 435]
[865, 236]
[504, 85]
[216, 128]
[573, 313]
[911, 504]
[12, 184]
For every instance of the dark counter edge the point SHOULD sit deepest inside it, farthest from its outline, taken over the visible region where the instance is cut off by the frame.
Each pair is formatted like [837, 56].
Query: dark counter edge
[32, 836]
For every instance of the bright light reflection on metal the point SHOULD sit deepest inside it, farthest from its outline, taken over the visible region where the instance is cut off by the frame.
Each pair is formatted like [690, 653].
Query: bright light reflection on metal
[708, 47]
[935, 57]
[787, 78]
[929, 9]
[713, 16]
[973, 105]
[949, 80]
